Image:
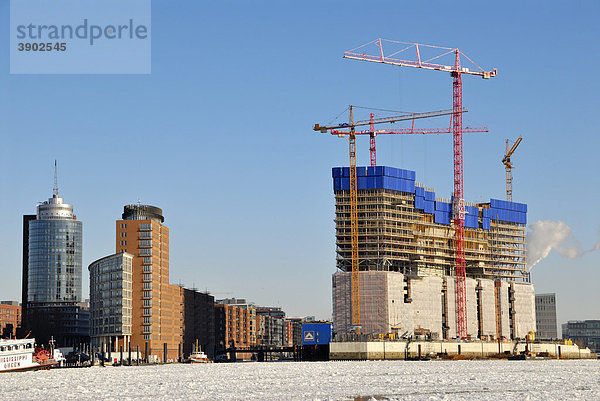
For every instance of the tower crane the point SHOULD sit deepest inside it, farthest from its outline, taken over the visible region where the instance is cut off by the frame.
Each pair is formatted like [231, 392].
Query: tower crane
[412, 130]
[456, 72]
[349, 129]
[508, 166]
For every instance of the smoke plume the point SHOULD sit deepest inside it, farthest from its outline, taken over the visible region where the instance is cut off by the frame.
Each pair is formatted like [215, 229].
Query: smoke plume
[545, 235]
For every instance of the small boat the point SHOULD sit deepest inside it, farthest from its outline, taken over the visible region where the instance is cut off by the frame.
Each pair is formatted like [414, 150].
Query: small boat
[20, 355]
[198, 356]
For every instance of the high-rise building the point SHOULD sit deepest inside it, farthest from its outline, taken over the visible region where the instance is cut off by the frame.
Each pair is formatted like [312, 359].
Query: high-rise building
[406, 260]
[157, 305]
[545, 316]
[111, 302]
[52, 273]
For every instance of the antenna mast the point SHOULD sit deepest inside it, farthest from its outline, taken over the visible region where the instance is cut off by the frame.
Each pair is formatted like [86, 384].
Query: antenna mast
[55, 179]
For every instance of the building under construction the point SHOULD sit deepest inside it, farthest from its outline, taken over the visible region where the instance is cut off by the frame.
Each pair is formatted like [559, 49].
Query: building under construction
[406, 259]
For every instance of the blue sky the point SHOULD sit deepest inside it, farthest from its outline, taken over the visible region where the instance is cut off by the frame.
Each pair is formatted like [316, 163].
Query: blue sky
[219, 135]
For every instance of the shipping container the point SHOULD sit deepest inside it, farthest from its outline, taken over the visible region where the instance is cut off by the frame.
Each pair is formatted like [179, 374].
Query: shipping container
[316, 333]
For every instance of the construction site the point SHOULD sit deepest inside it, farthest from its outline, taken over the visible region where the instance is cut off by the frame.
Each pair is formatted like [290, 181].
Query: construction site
[407, 269]
[413, 265]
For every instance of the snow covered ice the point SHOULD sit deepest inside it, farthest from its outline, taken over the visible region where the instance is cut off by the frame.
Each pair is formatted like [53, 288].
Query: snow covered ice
[344, 380]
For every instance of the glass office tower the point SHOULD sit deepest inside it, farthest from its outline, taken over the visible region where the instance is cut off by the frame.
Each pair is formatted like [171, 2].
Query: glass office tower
[55, 244]
[53, 306]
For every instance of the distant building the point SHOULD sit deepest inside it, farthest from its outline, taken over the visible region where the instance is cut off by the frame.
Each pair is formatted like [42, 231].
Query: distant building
[585, 333]
[235, 326]
[545, 316]
[10, 318]
[297, 328]
[270, 326]
[52, 247]
[198, 322]
[111, 301]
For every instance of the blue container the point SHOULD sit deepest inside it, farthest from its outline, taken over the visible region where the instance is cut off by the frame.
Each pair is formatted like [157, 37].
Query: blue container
[429, 196]
[429, 206]
[316, 333]
[485, 224]
[379, 182]
[471, 224]
[420, 191]
[406, 185]
[361, 182]
[443, 206]
[345, 184]
[473, 210]
[407, 174]
[388, 182]
[337, 183]
[419, 202]
[371, 182]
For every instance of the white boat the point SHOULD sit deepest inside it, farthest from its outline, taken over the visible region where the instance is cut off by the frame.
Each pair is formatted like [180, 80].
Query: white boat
[19, 355]
[198, 356]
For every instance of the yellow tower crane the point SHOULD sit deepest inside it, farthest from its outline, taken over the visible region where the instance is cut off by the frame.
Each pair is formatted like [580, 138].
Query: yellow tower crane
[349, 129]
[508, 166]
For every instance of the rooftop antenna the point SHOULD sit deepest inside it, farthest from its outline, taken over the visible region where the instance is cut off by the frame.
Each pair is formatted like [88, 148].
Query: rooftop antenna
[55, 179]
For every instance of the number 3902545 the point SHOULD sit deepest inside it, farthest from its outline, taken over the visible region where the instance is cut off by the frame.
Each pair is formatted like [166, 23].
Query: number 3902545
[42, 47]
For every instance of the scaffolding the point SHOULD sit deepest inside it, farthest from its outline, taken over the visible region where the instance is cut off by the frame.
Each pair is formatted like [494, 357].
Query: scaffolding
[393, 235]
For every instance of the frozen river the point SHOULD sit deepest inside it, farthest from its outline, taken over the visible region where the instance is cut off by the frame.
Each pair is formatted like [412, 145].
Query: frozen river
[359, 380]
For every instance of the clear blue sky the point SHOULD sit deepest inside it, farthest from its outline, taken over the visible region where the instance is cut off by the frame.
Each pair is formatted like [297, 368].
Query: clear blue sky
[219, 135]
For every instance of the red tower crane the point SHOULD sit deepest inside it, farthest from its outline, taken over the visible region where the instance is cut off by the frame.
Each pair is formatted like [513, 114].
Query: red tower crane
[372, 132]
[456, 71]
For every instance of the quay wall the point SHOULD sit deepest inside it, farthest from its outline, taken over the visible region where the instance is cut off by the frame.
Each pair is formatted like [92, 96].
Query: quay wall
[377, 350]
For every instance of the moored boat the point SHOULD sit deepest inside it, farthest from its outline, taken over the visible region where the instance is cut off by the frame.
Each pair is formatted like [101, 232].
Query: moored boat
[198, 356]
[20, 355]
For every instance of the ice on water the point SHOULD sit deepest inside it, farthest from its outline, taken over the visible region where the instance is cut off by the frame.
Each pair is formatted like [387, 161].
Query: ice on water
[359, 380]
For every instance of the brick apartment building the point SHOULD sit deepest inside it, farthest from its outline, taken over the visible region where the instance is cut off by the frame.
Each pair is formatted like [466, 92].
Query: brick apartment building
[10, 318]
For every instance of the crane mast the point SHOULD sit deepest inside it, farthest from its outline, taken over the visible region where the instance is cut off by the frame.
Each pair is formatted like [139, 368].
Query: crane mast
[456, 71]
[458, 207]
[508, 166]
[354, 225]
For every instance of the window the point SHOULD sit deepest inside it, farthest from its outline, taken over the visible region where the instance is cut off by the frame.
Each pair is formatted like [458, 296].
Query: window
[147, 336]
[148, 260]
[147, 294]
[147, 303]
[147, 277]
[146, 252]
[147, 286]
[147, 269]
